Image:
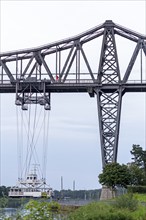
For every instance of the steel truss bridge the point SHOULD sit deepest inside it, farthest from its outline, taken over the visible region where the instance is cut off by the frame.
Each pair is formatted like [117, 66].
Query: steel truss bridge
[33, 74]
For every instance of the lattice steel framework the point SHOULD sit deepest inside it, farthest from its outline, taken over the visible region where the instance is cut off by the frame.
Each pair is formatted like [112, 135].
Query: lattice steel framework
[109, 104]
[33, 74]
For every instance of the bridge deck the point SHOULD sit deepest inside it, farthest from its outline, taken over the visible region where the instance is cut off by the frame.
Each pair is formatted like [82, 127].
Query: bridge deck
[80, 87]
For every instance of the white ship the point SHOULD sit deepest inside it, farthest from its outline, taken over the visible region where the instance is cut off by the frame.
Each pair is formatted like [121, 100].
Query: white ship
[31, 187]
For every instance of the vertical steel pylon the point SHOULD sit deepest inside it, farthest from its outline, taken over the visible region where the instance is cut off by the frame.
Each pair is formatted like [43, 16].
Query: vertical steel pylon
[109, 103]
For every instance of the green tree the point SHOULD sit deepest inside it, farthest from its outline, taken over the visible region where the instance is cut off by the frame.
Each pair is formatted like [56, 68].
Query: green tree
[137, 175]
[115, 174]
[139, 156]
[4, 191]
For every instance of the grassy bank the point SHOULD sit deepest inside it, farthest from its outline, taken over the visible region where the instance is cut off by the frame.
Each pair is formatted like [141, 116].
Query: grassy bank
[125, 207]
[102, 211]
[141, 197]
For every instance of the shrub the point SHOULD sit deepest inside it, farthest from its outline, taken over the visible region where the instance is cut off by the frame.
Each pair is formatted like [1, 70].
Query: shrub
[126, 201]
[40, 210]
[140, 197]
[136, 189]
[99, 211]
[3, 202]
[139, 214]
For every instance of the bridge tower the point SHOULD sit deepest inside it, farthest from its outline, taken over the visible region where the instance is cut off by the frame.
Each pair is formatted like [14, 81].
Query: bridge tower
[109, 103]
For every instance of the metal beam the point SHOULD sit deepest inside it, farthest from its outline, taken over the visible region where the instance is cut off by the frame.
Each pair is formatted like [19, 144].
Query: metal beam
[67, 60]
[27, 67]
[132, 61]
[9, 74]
[144, 47]
[69, 66]
[46, 67]
[87, 64]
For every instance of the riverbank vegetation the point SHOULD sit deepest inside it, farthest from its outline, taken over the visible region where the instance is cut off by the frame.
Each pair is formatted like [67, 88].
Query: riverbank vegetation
[125, 207]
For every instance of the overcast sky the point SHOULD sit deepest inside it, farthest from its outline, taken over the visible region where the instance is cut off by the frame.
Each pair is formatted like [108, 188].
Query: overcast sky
[74, 145]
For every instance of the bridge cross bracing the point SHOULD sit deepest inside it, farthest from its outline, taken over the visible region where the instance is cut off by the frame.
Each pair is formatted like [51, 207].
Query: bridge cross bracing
[66, 66]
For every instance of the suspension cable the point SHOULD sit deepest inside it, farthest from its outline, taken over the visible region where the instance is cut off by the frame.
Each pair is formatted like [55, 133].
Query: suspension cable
[145, 80]
[31, 151]
[28, 141]
[18, 146]
[32, 138]
[43, 154]
[35, 143]
[21, 140]
[45, 139]
[0, 139]
[32, 127]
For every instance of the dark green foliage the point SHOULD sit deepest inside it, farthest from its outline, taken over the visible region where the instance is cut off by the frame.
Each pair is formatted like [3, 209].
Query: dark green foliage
[4, 191]
[115, 174]
[136, 189]
[139, 156]
[3, 202]
[137, 175]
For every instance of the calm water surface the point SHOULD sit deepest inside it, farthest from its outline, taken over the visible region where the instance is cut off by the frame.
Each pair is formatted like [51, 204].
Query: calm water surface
[11, 212]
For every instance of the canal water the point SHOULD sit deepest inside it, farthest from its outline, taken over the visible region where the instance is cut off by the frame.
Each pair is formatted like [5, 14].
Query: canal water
[7, 212]
[12, 212]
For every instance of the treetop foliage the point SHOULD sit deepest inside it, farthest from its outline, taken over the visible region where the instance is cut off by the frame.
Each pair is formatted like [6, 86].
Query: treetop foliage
[133, 173]
[115, 174]
[139, 156]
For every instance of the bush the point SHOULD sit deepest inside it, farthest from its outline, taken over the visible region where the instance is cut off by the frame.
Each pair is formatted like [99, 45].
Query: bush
[126, 201]
[40, 210]
[140, 197]
[139, 214]
[3, 202]
[136, 189]
[99, 211]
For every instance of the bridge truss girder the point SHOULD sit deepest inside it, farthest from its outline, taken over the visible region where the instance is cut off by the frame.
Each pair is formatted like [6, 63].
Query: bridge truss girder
[37, 62]
[29, 74]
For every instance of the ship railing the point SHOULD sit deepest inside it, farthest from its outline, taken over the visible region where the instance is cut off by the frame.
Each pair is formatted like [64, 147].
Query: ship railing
[15, 193]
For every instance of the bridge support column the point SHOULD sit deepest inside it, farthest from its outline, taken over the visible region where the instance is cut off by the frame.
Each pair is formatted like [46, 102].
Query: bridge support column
[106, 193]
[109, 111]
[109, 100]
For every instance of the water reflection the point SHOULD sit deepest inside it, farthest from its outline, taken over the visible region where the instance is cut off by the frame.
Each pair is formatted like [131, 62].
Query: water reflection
[7, 212]
[12, 212]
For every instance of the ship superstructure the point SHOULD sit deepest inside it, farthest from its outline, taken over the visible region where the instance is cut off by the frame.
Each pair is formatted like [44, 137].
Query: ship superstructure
[31, 186]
